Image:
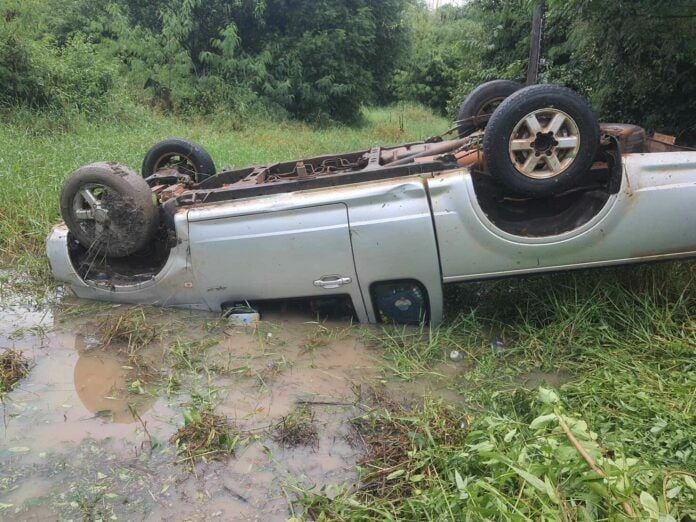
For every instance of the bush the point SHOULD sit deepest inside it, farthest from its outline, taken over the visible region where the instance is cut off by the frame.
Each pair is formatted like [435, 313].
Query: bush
[317, 61]
[36, 72]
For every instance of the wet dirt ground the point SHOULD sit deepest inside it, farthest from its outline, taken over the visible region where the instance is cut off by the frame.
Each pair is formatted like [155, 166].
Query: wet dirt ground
[87, 433]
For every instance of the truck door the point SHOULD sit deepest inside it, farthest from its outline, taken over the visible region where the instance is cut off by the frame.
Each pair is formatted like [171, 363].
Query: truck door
[300, 252]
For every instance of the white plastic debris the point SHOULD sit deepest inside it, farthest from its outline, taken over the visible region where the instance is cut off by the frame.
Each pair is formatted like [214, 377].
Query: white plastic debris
[244, 319]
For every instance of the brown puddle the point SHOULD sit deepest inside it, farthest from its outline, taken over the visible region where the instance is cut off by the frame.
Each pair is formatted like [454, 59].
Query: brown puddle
[72, 447]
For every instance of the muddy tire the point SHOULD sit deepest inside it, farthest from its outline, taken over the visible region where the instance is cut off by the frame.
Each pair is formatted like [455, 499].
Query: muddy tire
[185, 156]
[541, 140]
[482, 101]
[109, 209]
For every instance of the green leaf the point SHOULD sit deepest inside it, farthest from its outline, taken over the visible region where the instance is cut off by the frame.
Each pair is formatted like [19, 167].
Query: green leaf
[19, 449]
[461, 485]
[548, 396]
[543, 420]
[674, 492]
[690, 482]
[649, 504]
[533, 480]
[396, 474]
[551, 491]
[483, 447]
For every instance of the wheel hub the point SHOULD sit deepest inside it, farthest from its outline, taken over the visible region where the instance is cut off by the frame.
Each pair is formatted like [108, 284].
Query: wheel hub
[544, 143]
[101, 215]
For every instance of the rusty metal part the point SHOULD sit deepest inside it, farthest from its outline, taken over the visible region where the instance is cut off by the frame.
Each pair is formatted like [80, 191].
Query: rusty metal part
[168, 177]
[664, 138]
[631, 138]
[172, 191]
[301, 170]
[656, 145]
[470, 158]
[435, 150]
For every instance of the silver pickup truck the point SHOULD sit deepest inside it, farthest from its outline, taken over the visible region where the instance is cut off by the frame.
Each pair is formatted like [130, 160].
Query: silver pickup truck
[535, 185]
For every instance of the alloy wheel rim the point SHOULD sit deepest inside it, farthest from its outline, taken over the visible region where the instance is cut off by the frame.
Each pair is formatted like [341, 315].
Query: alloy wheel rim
[544, 143]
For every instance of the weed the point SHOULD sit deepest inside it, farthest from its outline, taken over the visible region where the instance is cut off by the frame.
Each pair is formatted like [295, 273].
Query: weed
[401, 447]
[319, 339]
[205, 436]
[13, 367]
[273, 368]
[131, 328]
[297, 429]
[70, 310]
[323, 336]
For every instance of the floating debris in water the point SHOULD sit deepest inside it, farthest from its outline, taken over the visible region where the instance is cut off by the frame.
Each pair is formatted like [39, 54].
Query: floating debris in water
[205, 436]
[297, 429]
[13, 367]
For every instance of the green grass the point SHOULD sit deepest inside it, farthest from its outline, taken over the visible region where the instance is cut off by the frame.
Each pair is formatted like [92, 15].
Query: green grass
[625, 339]
[40, 151]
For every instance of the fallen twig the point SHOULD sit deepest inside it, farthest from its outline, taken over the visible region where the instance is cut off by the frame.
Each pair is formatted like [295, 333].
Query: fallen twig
[333, 403]
[590, 461]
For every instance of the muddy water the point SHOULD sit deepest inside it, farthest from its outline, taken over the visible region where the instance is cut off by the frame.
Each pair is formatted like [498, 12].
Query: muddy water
[86, 434]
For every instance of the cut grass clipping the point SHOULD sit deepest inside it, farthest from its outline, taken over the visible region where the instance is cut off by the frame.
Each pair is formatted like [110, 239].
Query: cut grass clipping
[131, 331]
[13, 367]
[205, 436]
[131, 328]
[297, 429]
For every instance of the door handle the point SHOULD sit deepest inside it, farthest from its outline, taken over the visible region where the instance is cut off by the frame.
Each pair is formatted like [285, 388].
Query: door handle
[334, 281]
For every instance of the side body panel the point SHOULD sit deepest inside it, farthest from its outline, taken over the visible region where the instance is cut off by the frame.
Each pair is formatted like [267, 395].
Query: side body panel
[274, 255]
[393, 238]
[652, 217]
[173, 286]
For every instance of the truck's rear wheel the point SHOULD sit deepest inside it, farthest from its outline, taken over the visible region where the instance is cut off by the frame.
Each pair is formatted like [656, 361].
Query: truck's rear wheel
[109, 209]
[541, 140]
[184, 156]
[477, 107]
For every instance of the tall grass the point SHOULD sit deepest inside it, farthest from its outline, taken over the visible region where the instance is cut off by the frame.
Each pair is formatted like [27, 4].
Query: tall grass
[40, 150]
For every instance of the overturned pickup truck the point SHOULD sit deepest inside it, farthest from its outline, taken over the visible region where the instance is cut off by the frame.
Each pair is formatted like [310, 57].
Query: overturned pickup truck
[531, 183]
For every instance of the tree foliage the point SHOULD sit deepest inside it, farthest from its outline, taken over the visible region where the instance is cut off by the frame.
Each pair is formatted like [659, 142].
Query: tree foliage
[635, 60]
[321, 60]
[317, 60]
